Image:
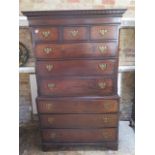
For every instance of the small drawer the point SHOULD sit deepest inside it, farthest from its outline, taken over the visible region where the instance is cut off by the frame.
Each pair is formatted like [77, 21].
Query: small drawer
[76, 67]
[46, 34]
[46, 105]
[103, 32]
[73, 86]
[79, 121]
[79, 135]
[75, 33]
[76, 50]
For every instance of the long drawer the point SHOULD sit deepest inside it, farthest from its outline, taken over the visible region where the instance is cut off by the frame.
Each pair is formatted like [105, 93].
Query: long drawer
[79, 135]
[76, 50]
[73, 86]
[76, 67]
[78, 120]
[77, 105]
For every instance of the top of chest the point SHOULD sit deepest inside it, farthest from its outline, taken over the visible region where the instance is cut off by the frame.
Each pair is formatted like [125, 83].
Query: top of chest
[72, 17]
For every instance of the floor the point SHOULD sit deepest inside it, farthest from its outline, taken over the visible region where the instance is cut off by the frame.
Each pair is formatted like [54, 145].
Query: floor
[29, 143]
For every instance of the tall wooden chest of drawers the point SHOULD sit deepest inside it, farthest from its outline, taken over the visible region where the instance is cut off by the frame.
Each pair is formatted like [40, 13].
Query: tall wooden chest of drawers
[76, 68]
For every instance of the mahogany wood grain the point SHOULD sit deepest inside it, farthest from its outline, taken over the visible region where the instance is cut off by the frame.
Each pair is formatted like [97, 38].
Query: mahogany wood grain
[76, 67]
[76, 87]
[76, 50]
[103, 32]
[70, 105]
[46, 33]
[72, 21]
[78, 120]
[75, 33]
[79, 135]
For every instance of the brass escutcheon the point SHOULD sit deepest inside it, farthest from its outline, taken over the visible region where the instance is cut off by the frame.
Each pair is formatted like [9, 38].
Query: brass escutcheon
[103, 32]
[46, 33]
[102, 49]
[49, 67]
[47, 50]
[51, 85]
[105, 119]
[102, 85]
[74, 33]
[103, 66]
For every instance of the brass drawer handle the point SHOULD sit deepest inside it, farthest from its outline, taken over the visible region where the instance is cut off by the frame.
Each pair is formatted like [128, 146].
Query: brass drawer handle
[74, 33]
[102, 85]
[46, 33]
[102, 49]
[48, 50]
[50, 120]
[49, 67]
[107, 106]
[49, 106]
[105, 135]
[53, 135]
[103, 66]
[103, 32]
[105, 119]
[51, 85]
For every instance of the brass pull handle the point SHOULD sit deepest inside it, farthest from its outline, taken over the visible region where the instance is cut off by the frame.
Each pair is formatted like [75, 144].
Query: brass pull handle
[105, 135]
[49, 106]
[51, 85]
[103, 32]
[107, 106]
[47, 50]
[49, 67]
[74, 33]
[102, 49]
[103, 66]
[105, 119]
[102, 85]
[46, 33]
[50, 120]
[53, 135]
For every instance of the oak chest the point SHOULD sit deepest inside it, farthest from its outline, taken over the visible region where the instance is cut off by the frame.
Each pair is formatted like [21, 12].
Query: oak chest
[76, 68]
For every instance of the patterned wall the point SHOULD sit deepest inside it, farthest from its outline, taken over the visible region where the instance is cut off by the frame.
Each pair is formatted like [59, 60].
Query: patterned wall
[77, 4]
[24, 99]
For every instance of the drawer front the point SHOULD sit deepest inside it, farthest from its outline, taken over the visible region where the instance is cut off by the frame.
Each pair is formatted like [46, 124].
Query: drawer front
[77, 106]
[75, 67]
[75, 33]
[76, 87]
[79, 135]
[79, 120]
[46, 34]
[76, 50]
[103, 32]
